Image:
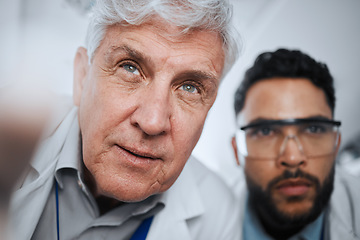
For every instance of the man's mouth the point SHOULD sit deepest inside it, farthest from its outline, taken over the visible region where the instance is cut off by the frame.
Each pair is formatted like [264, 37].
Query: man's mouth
[138, 153]
[293, 187]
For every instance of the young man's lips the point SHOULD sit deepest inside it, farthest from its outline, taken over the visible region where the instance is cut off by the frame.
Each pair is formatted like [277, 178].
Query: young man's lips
[294, 187]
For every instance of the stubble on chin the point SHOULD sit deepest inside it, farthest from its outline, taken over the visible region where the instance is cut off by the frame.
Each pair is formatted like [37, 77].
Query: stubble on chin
[273, 219]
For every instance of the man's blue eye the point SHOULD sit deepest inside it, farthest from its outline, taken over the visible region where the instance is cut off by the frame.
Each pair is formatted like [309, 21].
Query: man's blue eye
[131, 69]
[189, 88]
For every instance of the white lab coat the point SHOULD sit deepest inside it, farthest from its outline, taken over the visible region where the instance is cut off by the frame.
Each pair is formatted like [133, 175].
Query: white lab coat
[198, 206]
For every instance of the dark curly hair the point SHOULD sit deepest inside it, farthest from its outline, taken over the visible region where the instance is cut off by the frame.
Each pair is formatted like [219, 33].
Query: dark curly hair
[286, 63]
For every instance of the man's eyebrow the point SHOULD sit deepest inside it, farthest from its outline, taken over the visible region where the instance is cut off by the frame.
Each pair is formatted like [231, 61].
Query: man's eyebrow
[264, 120]
[260, 119]
[198, 74]
[131, 52]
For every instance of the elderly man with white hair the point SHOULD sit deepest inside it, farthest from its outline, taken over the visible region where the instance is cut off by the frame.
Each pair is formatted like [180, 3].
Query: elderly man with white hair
[119, 165]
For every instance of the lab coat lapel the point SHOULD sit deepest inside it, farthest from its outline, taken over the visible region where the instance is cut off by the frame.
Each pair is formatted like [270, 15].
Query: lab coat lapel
[339, 219]
[29, 201]
[182, 202]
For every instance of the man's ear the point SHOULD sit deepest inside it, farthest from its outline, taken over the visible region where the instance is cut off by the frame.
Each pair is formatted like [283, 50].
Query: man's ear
[338, 144]
[81, 68]
[234, 146]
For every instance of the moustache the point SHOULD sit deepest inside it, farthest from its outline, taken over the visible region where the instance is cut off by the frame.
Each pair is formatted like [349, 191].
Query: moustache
[292, 175]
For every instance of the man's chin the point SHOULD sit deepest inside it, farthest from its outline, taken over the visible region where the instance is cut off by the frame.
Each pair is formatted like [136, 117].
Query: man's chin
[281, 213]
[293, 208]
[291, 213]
[130, 192]
[132, 196]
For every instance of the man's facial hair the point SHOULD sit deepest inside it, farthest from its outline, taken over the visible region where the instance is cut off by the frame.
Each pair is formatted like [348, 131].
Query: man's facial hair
[280, 224]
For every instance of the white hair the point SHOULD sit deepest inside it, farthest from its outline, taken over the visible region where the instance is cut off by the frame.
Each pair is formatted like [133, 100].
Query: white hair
[210, 15]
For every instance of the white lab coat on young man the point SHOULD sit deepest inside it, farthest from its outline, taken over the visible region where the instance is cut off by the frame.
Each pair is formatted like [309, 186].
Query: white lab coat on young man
[198, 206]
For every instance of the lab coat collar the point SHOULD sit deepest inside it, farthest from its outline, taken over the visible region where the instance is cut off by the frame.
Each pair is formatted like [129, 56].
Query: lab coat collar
[30, 199]
[340, 215]
[182, 202]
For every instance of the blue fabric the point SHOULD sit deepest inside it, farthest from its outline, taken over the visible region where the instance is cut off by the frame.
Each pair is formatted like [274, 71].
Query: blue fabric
[252, 228]
[57, 210]
[142, 231]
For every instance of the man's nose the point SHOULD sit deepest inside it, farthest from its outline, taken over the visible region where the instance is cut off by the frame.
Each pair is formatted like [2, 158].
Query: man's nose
[292, 153]
[153, 111]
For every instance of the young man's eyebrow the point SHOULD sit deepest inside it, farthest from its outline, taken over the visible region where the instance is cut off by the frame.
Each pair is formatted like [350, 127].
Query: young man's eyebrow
[261, 120]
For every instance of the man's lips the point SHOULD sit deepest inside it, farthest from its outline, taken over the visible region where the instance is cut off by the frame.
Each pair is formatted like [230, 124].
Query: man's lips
[139, 154]
[293, 187]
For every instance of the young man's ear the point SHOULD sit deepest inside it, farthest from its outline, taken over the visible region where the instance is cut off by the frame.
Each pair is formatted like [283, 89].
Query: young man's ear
[234, 146]
[338, 144]
[81, 68]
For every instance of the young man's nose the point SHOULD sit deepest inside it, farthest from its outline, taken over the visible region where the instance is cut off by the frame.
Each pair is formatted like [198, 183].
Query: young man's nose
[291, 153]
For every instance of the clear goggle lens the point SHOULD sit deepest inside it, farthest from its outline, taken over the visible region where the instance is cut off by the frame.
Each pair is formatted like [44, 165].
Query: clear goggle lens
[268, 139]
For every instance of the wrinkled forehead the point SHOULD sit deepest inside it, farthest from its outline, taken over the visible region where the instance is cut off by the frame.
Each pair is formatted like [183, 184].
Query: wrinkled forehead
[161, 39]
[158, 24]
[164, 30]
[172, 32]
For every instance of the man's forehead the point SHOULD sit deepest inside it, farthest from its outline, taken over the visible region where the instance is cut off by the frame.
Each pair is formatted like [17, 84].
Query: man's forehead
[166, 29]
[284, 98]
[145, 42]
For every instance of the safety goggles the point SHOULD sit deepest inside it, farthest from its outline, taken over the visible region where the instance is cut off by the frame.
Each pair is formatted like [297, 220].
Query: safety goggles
[268, 139]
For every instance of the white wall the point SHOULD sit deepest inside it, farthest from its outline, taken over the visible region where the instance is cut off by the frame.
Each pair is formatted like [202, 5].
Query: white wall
[40, 37]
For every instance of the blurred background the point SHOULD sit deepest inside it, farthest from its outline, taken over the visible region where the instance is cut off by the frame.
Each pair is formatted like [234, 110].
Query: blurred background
[39, 39]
